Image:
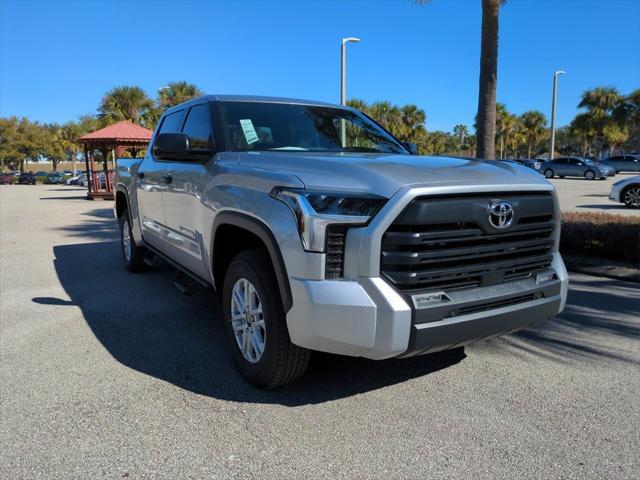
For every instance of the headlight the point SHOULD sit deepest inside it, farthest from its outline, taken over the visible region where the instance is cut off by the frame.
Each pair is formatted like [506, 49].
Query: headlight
[314, 211]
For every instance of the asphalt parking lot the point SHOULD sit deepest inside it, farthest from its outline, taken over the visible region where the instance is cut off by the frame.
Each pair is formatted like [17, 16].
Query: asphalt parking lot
[106, 374]
[580, 195]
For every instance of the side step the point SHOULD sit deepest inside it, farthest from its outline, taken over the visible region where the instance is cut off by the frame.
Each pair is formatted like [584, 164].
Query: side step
[184, 283]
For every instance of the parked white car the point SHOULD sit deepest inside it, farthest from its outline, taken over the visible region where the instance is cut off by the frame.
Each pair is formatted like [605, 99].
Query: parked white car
[626, 191]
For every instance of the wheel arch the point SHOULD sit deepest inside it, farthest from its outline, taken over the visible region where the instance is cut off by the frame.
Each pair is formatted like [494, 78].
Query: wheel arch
[236, 222]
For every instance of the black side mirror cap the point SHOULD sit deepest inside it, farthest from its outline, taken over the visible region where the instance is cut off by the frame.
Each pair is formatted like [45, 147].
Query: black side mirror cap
[412, 147]
[171, 146]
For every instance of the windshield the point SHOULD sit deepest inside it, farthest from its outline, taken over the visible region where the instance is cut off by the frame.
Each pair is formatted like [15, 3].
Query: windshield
[588, 161]
[258, 126]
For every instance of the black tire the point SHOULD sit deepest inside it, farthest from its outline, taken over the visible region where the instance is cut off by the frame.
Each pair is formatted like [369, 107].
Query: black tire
[281, 362]
[548, 173]
[560, 176]
[589, 175]
[134, 259]
[631, 196]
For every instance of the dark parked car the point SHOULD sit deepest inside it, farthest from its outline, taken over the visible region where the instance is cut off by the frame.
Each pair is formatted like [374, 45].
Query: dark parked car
[54, 178]
[624, 163]
[7, 179]
[526, 162]
[27, 179]
[575, 167]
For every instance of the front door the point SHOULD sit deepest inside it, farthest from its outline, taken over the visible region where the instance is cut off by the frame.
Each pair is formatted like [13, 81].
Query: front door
[183, 207]
[150, 185]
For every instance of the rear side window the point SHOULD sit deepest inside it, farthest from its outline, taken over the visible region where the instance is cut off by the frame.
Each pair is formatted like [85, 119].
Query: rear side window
[171, 123]
[198, 126]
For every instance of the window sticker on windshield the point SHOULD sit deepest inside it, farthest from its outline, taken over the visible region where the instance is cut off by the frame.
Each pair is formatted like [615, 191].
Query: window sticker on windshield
[250, 134]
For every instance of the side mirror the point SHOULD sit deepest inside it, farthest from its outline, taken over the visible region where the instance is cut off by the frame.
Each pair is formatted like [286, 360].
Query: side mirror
[171, 146]
[412, 147]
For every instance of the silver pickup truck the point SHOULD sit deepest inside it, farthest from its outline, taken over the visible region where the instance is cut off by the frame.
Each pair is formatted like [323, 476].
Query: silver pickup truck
[319, 230]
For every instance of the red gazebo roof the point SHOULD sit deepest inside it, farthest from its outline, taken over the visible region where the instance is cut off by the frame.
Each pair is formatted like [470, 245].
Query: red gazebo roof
[123, 133]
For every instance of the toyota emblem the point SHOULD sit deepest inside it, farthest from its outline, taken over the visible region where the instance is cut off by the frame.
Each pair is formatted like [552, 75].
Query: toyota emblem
[500, 214]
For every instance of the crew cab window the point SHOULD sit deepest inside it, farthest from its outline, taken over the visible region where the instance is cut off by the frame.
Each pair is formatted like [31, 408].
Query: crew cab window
[198, 127]
[171, 123]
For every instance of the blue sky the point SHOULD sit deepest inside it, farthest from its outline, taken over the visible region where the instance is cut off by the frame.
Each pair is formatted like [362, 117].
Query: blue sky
[58, 58]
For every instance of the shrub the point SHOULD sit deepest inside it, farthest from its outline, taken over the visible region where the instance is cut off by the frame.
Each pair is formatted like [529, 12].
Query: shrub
[601, 235]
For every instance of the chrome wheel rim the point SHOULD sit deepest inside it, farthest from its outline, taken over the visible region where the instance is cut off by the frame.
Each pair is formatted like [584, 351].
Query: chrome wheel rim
[590, 175]
[247, 320]
[127, 244]
[632, 197]
[548, 174]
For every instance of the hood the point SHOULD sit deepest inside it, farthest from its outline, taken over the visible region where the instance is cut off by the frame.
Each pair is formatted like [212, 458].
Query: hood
[385, 174]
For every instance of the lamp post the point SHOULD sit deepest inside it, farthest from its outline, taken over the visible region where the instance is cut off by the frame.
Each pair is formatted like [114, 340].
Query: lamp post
[553, 112]
[343, 83]
[343, 68]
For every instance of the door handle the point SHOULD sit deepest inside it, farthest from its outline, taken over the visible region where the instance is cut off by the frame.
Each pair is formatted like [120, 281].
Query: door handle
[167, 179]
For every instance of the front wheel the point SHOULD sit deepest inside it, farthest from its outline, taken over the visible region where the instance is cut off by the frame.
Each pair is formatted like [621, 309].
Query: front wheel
[548, 173]
[631, 197]
[132, 254]
[589, 175]
[255, 323]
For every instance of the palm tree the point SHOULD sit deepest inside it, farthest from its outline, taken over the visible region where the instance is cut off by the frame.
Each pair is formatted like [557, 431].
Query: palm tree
[605, 111]
[412, 120]
[461, 132]
[534, 130]
[124, 103]
[177, 92]
[486, 117]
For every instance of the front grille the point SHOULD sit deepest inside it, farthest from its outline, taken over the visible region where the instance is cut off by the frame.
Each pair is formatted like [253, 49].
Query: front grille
[334, 252]
[448, 242]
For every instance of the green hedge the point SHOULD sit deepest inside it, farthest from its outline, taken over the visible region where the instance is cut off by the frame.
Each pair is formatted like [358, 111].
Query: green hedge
[601, 235]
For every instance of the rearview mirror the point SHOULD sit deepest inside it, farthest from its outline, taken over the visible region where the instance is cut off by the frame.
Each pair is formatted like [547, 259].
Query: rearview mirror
[412, 147]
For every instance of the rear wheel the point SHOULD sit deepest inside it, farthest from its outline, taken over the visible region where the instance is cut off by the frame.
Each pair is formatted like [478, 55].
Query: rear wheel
[548, 173]
[255, 323]
[132, 254]
[631, 196]
[589, 175]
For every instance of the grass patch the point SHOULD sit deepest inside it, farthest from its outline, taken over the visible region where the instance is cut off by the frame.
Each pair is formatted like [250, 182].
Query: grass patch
[601, 235]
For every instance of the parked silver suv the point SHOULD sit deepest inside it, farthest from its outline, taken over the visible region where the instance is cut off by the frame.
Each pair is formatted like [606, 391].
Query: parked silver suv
[321, 231]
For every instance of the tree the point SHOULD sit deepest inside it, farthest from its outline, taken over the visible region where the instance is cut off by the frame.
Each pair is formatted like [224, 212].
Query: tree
[486, 117]
[10, 154]
[177, 92]
[605, 115]
[534, 130]
[461, 132]
[125, 103]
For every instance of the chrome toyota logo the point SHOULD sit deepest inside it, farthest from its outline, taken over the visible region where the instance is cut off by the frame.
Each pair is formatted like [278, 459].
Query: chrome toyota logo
[500, 214]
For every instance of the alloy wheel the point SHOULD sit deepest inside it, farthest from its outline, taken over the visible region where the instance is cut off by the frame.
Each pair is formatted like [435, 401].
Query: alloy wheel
[127, 243]
[632, 197]
[247, 320]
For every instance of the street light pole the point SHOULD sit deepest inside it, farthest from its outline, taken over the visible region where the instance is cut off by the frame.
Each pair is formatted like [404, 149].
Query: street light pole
[553, 112]
[343, 83]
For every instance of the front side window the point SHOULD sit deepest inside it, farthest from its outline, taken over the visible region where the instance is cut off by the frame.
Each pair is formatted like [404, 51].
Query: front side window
[198, 127]
[258, 126]
[171, 123]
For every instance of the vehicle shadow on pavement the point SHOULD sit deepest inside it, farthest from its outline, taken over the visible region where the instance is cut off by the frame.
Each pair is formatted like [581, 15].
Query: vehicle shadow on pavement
[149, 326]
[596, 324]
[606, 206]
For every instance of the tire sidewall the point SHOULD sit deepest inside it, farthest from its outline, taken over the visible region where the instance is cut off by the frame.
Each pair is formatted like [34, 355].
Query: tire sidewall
[242, 267]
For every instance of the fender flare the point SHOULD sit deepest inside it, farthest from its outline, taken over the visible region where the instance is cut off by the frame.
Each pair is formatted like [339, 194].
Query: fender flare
[264, 233]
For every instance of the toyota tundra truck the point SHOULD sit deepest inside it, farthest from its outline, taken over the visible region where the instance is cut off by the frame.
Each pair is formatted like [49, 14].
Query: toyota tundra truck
[319, 230]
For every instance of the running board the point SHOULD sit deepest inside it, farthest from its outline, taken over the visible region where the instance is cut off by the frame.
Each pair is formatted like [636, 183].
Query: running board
[182, 275]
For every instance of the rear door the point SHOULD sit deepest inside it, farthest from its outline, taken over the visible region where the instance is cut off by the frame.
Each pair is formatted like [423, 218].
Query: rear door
[150, 185]
[183, 207]
[561, 167]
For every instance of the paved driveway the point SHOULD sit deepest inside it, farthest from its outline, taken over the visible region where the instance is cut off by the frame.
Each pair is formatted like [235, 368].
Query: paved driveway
[105, 374]
[580, 195]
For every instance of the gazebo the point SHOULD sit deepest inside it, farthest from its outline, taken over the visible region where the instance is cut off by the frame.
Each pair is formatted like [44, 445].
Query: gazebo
[116, 138]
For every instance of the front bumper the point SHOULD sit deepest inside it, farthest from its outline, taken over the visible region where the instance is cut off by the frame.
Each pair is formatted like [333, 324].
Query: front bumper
[369, 318]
